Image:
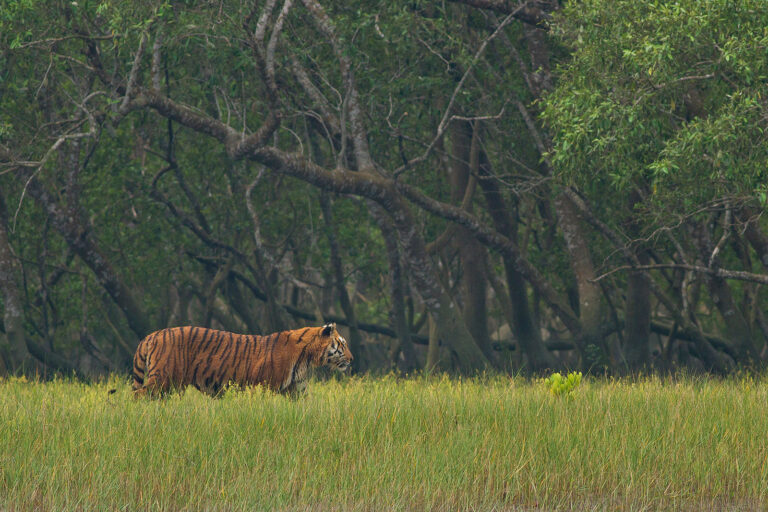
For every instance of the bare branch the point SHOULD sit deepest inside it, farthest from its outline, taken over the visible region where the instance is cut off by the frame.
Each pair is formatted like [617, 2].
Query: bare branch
[54, 40]
[39, 165]
[479, 118]
[236, 144]
[328, 116]
[351, 102]
[156, 60]
[133, 76]
[737, 275]
[261, 25]
[256, 224]
[270, 59]
[684, 79]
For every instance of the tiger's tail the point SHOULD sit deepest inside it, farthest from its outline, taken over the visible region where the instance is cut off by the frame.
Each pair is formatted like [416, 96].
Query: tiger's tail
[139, 365]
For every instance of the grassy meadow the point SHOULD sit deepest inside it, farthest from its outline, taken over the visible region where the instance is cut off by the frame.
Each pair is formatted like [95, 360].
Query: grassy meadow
[425, 443]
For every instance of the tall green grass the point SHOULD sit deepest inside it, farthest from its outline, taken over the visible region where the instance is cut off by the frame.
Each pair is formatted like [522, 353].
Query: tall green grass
[430, 443]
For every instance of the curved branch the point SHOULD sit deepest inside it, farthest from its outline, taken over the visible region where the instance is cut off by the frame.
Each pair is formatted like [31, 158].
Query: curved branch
[236, 143]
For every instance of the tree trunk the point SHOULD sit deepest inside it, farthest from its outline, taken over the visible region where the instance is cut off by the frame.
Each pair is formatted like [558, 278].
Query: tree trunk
[433, 349]
[637, 311]
[355, 339]
[403, 343]
[592, 345]
[449, 323]
[473, 286]
[14, 344]
[523, 327]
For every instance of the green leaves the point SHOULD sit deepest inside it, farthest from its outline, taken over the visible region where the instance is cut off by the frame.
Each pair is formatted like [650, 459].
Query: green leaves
[559, 385]
[664, 93]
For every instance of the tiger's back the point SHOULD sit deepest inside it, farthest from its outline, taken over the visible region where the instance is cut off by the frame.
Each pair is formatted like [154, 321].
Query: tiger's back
[208, 359]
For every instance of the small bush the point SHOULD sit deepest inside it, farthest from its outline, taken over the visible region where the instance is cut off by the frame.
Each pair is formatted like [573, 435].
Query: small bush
[559, 385]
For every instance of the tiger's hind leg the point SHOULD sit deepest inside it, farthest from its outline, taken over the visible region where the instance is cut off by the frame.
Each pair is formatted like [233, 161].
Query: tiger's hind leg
[161, 374]
[156, 385]
[138, 384]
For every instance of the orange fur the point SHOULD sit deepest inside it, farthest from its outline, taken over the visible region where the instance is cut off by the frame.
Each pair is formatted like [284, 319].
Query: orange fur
[208, 359]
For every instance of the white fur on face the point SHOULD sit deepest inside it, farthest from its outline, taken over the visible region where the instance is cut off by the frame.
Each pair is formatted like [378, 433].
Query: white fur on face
[336, 353]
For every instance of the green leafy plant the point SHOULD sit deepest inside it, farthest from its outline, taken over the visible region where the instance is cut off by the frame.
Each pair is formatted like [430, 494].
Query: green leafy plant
[563, 386]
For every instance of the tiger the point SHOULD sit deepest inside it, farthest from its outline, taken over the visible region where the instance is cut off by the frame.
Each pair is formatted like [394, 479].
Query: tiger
[208, 359]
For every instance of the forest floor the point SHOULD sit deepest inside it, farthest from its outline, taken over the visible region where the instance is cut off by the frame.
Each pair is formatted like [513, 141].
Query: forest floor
[385, 443]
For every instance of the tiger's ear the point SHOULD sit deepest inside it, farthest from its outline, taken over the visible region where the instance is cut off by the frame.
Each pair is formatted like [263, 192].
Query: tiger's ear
[328, 329]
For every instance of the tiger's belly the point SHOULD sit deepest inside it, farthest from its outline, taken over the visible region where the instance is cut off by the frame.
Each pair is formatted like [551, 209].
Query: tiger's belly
[212, 374]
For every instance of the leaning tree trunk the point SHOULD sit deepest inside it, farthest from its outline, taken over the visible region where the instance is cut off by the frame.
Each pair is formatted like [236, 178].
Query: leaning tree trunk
[448, 321]
[80, 239]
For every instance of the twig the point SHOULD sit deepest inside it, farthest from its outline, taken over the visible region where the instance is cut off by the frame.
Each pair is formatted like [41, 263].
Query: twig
[447, 114]
[479, 118]
[42, 162]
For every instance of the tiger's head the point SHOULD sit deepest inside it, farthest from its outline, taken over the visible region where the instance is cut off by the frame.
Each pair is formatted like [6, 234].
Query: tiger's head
[336, 352]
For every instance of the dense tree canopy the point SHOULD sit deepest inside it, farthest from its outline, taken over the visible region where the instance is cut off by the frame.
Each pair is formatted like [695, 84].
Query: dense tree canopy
[460, 186]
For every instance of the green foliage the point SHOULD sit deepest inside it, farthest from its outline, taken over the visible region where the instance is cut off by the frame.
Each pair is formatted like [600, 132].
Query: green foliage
[559, 385]
[664, 98]
[664, 95]
[407, 58]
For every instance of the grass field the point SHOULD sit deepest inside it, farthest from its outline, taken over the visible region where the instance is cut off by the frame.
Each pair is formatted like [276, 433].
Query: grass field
[427, 443]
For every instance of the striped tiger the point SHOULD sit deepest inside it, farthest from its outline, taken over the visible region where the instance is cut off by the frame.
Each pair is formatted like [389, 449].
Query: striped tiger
[174, 358]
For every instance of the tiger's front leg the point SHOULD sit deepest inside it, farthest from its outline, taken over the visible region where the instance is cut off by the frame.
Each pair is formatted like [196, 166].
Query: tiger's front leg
[296, 390]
